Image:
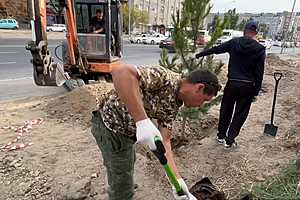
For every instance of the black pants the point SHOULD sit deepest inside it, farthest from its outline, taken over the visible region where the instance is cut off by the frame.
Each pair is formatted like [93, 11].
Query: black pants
[238, 96]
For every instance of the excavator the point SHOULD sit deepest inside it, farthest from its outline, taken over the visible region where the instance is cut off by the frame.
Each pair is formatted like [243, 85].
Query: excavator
[86, 55]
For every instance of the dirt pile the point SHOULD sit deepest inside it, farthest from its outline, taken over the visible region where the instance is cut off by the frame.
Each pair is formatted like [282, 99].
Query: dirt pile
[77, 106]
[275, 60]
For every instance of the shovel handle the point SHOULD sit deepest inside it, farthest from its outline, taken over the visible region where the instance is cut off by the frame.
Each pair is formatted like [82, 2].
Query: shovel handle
[160, 154]
[277, 76]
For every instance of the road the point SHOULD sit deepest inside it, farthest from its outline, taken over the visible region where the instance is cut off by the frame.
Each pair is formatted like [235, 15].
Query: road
[16, 70]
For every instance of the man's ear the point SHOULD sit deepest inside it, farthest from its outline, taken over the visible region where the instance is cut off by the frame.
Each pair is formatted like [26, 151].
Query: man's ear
[200, 86]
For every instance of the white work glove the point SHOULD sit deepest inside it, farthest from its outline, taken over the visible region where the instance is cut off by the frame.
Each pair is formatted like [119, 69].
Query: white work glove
[187, 196]
[145, 133]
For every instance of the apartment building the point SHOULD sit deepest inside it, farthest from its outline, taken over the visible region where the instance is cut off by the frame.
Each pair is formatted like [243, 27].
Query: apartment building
[277, 23]
[160, 12]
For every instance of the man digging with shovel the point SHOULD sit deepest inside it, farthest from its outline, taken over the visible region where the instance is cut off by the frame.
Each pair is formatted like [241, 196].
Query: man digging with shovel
[124, 117]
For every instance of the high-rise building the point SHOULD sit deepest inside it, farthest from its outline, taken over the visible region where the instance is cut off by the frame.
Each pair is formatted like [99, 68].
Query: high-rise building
[296, 28]
[159, 11]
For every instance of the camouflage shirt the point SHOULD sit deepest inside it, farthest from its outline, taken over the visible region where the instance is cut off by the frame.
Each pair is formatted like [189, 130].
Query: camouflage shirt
[158, 88]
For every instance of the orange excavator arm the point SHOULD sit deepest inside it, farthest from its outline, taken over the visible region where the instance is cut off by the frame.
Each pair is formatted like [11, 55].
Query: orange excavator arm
[46, 71]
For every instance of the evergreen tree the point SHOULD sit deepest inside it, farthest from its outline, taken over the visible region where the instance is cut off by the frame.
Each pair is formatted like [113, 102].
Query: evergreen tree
[242, 25]
[136, 16]
[264, 29]
[195, 13]
[186, 29]
[213, 24]
[233, 18]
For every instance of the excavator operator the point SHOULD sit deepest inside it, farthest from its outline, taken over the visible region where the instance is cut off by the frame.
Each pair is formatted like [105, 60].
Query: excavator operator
[98, 23]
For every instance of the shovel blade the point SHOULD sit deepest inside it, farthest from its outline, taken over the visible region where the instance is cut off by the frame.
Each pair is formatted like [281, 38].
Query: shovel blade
[270, 129]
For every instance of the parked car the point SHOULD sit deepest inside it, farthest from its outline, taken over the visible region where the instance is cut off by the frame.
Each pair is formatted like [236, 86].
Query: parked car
[203, 38]
[229, 34]
[154, 39]
[138, 38]
[266, 43]
[277, 43]
[57, 28]
[9, 24]
[288, 44]
[168, 44]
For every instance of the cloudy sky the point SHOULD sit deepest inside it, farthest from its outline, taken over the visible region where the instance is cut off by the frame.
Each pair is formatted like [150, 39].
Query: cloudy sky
[256, 6]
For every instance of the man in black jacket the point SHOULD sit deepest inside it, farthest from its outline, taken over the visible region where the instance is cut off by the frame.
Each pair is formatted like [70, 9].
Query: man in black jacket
[98, 23]
[245, 75]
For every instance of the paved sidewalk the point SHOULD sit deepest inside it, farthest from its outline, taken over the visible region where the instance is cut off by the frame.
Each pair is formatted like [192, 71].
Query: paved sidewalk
[26, 34]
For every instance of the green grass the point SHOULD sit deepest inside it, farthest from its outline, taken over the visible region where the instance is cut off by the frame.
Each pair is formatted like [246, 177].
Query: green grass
[284, 186]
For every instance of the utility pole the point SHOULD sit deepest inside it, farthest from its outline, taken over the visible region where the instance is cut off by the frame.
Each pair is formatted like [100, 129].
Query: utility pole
[149, 13]
[168, 11]
[129, 17]
[157, 13]
[286, 33]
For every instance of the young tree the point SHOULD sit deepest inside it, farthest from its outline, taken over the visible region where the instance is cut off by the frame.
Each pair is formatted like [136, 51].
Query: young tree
[184, 61]
[195, 13]
[233, 18]
[143, 17]
[136, 16]
[264, 29]
[242, 25]
[213, 24]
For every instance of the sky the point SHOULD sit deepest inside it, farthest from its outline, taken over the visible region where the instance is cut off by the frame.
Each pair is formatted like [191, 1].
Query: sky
[255, 6]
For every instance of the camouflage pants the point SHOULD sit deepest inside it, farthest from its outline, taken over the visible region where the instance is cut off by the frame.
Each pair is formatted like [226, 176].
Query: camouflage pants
[118, 154]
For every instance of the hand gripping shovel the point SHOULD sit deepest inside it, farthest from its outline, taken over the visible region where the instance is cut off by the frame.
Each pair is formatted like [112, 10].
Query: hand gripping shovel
[271, 129]
[160, 154]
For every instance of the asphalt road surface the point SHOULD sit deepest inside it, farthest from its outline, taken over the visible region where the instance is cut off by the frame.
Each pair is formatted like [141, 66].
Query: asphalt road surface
[16, 70]
[16, 80]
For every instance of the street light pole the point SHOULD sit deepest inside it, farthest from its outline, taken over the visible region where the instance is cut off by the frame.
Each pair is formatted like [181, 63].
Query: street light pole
[129, 17]
[286, 33]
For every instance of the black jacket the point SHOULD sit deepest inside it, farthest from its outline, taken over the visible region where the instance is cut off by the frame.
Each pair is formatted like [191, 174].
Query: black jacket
[97, 24]
[246, 62]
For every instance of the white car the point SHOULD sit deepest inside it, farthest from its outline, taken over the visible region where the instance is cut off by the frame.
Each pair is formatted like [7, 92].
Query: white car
[288, 44]
[203, 38]
[278, 43]
[138, 38]
[229, 34]
[266, 43]
[154, 39]
[57, 28]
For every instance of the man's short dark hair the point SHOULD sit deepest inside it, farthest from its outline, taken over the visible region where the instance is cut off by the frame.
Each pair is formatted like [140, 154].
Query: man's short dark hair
[98, 11]
[209, 79]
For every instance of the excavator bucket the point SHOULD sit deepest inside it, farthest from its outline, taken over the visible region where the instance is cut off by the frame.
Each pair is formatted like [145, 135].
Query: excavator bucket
[45, 71]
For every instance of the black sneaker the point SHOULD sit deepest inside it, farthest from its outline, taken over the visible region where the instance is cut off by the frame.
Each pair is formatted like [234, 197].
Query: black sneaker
[220, 140]
[230, 146]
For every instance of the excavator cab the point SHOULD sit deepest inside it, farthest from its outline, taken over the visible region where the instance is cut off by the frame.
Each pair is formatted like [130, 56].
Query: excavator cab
[87, 54]
[104, 45]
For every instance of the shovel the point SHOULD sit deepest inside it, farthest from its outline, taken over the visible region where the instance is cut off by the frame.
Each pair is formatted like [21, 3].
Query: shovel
[271, 129]
[160, 154]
